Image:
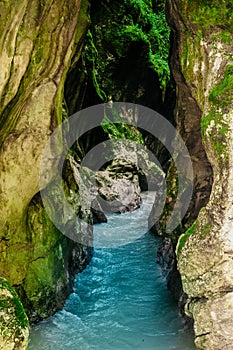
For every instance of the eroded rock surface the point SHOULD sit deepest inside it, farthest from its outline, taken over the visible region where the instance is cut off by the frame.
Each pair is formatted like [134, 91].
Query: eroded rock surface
[14, 325]
[37, 42]
[202, 68]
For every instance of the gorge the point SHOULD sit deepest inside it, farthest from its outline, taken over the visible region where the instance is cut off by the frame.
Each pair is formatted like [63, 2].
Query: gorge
[58, 58]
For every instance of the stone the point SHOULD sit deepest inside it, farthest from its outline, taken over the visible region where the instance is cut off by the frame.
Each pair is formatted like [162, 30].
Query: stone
[97, 212]
[118, 195]
[14, 325]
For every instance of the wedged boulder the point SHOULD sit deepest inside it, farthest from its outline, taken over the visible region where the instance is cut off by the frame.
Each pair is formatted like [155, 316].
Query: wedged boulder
[118, 192]
[112, 191]
[130, 172]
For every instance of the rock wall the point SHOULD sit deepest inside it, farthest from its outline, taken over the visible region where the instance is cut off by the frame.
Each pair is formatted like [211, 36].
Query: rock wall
[203, 70]
[37, 42]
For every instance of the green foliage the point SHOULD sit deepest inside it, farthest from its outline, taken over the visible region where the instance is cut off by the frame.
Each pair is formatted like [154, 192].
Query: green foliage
[153, 30]
[125, 23]
[92, 56]
[119, 130]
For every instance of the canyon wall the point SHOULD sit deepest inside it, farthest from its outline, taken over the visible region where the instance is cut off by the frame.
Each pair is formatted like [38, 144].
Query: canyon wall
[37, 43]
[203, 70]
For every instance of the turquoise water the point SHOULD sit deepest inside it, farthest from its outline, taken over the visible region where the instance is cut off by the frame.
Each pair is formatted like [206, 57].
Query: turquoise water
[120, 300]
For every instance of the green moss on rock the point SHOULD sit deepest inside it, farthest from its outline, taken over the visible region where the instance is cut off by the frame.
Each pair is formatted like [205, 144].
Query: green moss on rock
[40, 39]
[183, 238]
[119, 130]
[14, 325]
[209, 13]
[216, 124]
[196, 228]
[221, 94]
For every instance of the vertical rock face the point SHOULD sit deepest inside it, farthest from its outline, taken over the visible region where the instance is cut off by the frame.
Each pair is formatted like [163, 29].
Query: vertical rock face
[37, 42]
[203, 70]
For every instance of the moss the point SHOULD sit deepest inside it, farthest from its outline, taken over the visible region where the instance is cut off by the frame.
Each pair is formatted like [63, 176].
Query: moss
[191, 62]
[119, 130]
[209, 13]
[11, 306]
[215, 125]
[216, 129]
[221, 94]
[46, 273]
[92, 56]
[183, 238]
[206, 229]
[188, 59]
[225, 37]
[171, 196]
[116, 29]
[196, 228]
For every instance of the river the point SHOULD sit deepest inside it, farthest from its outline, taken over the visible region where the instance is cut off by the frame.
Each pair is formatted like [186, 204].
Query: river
[120, 301]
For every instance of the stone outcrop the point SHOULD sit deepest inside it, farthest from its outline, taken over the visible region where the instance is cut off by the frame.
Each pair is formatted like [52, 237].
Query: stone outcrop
[203, 70]
[130, 172]
[14, 325]
[118, 189]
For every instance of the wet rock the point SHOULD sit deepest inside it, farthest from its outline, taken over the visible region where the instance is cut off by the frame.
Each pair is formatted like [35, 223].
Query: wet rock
[118, 193]
[166, 258]
[55, 258]
[97, 212]
[14, 325]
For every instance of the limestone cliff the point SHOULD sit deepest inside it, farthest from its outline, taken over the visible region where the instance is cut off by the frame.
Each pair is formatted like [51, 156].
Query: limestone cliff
[37, 42]
[203, 70]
